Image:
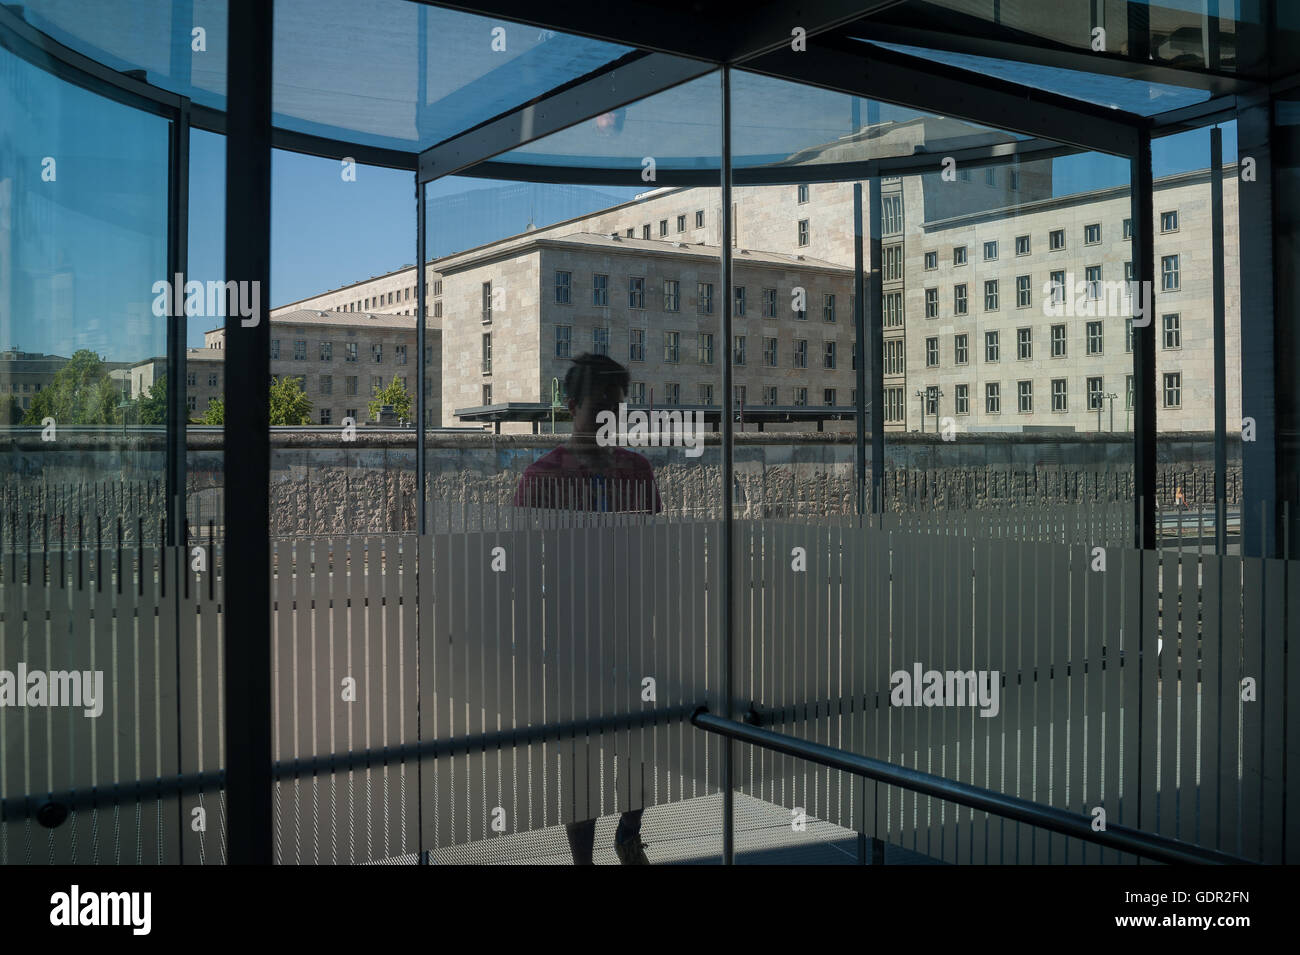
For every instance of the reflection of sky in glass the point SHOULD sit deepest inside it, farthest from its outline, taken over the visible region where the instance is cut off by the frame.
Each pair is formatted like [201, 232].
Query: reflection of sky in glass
[1134, 96]
[79, 255]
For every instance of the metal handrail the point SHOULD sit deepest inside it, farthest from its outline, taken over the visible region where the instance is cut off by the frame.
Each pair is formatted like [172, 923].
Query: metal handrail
[1124, 838]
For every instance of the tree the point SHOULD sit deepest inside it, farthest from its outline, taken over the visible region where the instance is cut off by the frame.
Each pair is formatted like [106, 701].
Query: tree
[151, 407]
[394, 394]
[215, 413]
[289, 403]
[11, 410]
[81, 393]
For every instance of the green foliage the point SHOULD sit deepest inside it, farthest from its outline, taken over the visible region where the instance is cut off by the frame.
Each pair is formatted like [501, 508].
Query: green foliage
[151, 407]
[289, 403]
[80, 394]
[11, 410]
[215, 413]
[394, 394]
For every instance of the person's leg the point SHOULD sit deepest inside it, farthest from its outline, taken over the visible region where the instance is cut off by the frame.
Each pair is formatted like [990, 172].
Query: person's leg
[582, 840]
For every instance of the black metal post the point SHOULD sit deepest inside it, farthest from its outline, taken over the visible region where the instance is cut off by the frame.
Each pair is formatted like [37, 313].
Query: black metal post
[421, 306]
[875, 323]
[1220, 346]
[1144, 354]
[728, 466]
[247, 430]
[860, 351]
[178, 193]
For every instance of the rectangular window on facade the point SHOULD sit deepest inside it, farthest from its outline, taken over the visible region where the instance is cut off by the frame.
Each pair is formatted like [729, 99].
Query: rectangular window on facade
[991, 295]
[1128, 228]
[600, 290]
[802, 193]
[327, 384]
[828, 355]
[487, 350]
[563, 287]
[1056, 280]
[800, 397]
[993, 398]
[893, 309]
[350, 386]
[1092, 275]
[1013, 177]
[487, 395]
[672, 295]
[663, 227]
[1094, 338]
[350, 351]
[931, 261]
[326, 416]
[1170, 279]
[600, 340]
[300, 349]
[1095, 391]
[769, 303]
[437, 309]
[1056, 240]
[959, 299]
[1022, 245]
[275, 348]
[377, 351]
[1060, 399]
[1173, 389]
[699, 219]
[801, 353]
[932, 303]
[672, 393]
[769, 395]
[959, 255]
[893, 356]
[326, 351]
[630, 233]
[705, 348]
[636, 345]
[1058, 341]
[1173, 324]
[990, 251]
[932, 352]
[1128, 335]
[1024, 344]
[706, 394]
[1092, 234]
[1169, 221]
[893, 263]
[990, 177]
[645, 231]
[705, 298]
[681, 223]
[803, 232]
[563, 342]
[636, 393]
[636, 292]
[961, 399]
[738, 302]
[991, 347]
[828, 307]
[1128, 391]
[828, 397]
[214, 380]
[1025, 397]
[960, 349]
[738, 350]
[487, 302]
[769, 352]
[672, 347]
[1024, 292]
[891, 215]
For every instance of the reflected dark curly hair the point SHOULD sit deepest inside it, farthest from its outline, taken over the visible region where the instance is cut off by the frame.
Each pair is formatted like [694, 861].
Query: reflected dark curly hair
[593, 375]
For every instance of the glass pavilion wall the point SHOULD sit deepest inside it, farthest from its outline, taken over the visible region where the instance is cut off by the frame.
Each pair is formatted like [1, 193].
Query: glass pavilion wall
[900, 301]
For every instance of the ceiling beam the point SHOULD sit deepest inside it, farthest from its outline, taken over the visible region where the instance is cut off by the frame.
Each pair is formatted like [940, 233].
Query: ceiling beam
[633, 78]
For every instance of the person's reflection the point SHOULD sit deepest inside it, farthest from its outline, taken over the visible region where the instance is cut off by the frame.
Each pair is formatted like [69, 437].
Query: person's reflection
[584, 475]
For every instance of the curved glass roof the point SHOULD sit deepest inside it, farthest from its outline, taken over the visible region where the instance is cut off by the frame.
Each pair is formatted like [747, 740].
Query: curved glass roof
[383, 73]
